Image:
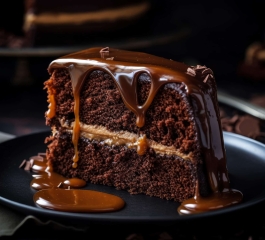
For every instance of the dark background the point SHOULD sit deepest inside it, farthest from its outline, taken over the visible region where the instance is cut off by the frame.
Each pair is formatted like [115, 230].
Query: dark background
[219, 33]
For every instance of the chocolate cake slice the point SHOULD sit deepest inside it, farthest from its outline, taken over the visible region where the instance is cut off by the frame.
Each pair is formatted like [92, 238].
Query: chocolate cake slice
[136, 122]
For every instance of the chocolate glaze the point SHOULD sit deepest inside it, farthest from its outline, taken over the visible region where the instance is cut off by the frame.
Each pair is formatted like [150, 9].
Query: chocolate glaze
[125, 67]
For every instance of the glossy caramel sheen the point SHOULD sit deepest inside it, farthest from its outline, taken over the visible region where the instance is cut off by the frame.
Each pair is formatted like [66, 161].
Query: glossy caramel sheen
[142, 145]
[54, 192]
[125, 67]
[77, 200]
[74, 182]
[215, 201]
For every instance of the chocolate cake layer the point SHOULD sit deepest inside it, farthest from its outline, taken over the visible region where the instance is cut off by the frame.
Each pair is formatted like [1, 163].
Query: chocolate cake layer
[165, 176]
[169, 118]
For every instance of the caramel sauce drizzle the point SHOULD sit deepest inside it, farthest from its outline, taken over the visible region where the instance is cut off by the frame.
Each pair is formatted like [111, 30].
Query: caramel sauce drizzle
[142, 145]
[51, 100]
[76, 85]
[77, 200]
[215, 201]
[59, 193]
[124, 70]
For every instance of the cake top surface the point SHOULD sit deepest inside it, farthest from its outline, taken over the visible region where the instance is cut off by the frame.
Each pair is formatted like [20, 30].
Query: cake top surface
[118, 62]
[106, 57]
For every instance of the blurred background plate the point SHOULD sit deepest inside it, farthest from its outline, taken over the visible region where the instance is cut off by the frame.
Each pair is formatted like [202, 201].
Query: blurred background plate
[129, 43]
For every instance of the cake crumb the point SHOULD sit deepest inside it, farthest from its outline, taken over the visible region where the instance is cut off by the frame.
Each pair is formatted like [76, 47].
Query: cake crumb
[23, 163]
[27, 166]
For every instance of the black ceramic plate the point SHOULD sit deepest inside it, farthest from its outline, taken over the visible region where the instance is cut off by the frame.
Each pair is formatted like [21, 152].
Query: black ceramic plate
[246, 164]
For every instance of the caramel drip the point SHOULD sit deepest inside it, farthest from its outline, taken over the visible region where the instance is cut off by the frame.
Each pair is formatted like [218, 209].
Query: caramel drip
[215, 201]
[76, 131]
[76, 85]
[54, 192]
[142, 145]
[51, 100]
[51, 111]
[45, 180]
[125, 70]
[40, 167]
[75, 182]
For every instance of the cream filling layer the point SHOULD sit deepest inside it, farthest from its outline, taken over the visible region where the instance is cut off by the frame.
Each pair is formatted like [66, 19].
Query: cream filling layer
[79, 18]
[131, 140]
